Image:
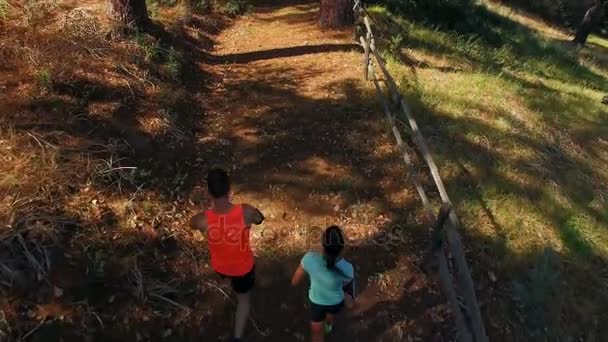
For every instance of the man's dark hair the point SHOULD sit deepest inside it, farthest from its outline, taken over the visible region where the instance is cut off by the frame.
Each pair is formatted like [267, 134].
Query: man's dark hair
[218, 182]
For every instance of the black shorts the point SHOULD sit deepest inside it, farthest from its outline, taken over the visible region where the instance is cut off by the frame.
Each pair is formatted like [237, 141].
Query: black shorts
[319, 312]
[242, 284]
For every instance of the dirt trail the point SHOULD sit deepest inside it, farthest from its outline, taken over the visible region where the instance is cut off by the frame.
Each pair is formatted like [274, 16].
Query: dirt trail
[309, 147]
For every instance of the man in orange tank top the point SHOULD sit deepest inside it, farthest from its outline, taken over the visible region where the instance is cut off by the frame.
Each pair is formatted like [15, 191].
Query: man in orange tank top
[227, 226]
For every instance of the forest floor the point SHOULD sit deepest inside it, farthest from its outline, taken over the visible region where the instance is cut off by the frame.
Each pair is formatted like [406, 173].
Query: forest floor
[106, 154]
[307, 145]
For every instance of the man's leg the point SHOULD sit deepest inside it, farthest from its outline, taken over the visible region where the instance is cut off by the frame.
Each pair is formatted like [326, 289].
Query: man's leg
[243, 308]
[242, 286]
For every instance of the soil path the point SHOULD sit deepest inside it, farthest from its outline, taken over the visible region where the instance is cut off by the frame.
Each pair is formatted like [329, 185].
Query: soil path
[308, 145]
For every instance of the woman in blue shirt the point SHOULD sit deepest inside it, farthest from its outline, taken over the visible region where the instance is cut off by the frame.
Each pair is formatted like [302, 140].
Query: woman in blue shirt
[329, 274]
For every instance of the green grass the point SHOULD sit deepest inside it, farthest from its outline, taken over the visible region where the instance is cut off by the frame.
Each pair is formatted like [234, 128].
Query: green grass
[149, 46]
[170, 60]
[340, 185]
[174, 64]
[599, 41]
[534, 293]
[5, 327]
[4, 6]
[518, 115]
[153, 8]
[44, 79]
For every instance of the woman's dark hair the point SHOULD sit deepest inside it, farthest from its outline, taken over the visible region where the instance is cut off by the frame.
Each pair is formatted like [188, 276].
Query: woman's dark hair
[333, 244]
[218, 182]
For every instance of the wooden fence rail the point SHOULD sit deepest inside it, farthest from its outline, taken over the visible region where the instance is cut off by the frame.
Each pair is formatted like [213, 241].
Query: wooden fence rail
[455, 281]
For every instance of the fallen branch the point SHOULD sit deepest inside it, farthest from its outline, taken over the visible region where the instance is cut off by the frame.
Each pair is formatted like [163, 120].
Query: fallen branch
[165, 299]
[255, 324]
[32, 331]
[142, 80]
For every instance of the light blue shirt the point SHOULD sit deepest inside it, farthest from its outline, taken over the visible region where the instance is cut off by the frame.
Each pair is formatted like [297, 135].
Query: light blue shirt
[325, 284]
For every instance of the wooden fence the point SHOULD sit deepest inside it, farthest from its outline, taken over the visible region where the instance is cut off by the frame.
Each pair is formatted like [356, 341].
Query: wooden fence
[445, 257]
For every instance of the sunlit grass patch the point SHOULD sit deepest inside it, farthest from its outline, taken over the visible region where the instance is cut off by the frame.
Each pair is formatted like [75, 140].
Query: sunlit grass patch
[4, 7]
[603, 42]
[520, 112]
[574, 233]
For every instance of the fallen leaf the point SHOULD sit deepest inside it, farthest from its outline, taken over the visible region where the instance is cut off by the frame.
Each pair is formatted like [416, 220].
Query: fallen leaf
[51, 310]
[167, 333]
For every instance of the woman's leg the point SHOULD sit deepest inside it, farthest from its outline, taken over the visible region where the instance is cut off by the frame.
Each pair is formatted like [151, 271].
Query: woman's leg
[317, 332]
[317, 325]
[329, 319]
[330, 316]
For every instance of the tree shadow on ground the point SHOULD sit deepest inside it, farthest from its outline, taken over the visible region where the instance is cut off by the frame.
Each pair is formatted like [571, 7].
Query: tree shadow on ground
[266, 6]
[499, 43]
[248, 57]
[302, 13]
[567, 15]
[484, 172]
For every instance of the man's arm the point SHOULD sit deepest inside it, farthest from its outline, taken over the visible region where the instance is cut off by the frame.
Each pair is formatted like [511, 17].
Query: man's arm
[199, 222]
[252, 215]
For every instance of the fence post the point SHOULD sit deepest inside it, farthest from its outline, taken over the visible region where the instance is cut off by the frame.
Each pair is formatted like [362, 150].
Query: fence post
[470, 328]
[365, 43]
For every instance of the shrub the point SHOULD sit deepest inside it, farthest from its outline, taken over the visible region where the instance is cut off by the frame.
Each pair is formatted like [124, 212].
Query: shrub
[235, 7]
[149, 46]
[35, 10]
[395, 43]
[44, 79]
[153, 8]
[5, 328]
[174, 63]
[536, 293]
[167, 3]
[201, 5]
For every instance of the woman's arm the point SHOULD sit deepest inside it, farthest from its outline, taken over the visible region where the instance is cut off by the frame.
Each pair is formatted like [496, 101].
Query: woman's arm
[298, 276]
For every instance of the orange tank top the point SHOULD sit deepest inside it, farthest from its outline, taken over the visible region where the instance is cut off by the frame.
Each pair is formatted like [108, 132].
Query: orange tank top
[228, 239]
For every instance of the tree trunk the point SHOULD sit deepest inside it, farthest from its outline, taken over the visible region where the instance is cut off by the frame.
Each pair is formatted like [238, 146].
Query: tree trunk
[592, 18]
[129, 13]
[336, 13]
